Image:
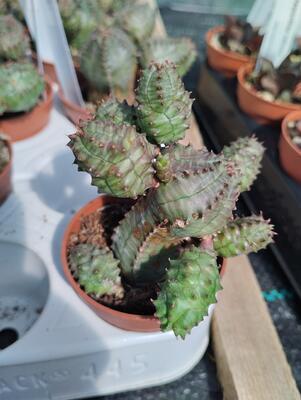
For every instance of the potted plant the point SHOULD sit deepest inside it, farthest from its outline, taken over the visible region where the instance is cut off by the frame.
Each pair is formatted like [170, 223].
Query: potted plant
[5, 167]
[144, 256]
[232, 45]
[25, 96]
[269, 94]
[290, 145]
[110, 41]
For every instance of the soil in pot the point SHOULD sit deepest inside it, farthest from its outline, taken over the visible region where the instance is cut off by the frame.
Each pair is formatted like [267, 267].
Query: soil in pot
[294, 131]
[290, 145]
[5, 168]
[19, 126]
[258, 101]
[231, 46]
[238, 36]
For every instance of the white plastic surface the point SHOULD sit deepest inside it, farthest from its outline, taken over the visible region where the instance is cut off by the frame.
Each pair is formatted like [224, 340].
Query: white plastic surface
[66, 351]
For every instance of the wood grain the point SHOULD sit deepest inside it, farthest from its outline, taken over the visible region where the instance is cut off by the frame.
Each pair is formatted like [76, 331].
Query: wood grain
[250, 359]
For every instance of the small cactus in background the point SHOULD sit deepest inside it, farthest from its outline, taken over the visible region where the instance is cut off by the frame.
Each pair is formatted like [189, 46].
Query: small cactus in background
[182, 216]
[180, 51]
[111, 39]
[4, 152]
[108, 60]
[80, 19]
[21, 87]
[138, 20]
[14, 42]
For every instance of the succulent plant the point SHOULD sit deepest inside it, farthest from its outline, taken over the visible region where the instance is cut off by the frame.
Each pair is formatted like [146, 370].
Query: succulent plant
[164, 107]
[21, 87]
[191, 284]
[108, 60]
[14, 42]
[96, 269]
[182, 216]
[4, 152]
[282, 83]
[80, 19]
[138, 20]
[241, 235]
[110, 39]
[248, 158]
[239, 36]
[180, 51]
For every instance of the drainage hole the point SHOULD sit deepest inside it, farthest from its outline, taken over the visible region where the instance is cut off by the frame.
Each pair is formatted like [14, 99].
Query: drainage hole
[8, 336]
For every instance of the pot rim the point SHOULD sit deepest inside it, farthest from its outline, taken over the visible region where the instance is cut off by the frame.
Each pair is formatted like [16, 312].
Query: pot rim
[225, 53]
[93, 303]
[72, 105]
[293, 116]
[241, 77]
[10, 151]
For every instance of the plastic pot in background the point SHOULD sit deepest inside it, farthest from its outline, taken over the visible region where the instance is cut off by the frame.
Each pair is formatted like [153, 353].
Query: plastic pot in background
[74, 112]
[5, 177]
[126, 321]
[224, 61]
[27, 124]
[289, 153]
[253, 104]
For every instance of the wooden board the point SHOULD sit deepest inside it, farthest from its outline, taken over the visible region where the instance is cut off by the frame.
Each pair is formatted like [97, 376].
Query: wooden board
[250, 360]
[193, 135]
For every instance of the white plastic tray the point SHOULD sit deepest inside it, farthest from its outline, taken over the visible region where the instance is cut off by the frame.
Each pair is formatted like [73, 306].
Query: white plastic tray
[64, 350]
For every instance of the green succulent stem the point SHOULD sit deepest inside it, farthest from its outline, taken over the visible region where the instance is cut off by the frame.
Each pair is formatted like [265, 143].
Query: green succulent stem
[96, 270]
[247, 153]
[243, 236]
[189, 289]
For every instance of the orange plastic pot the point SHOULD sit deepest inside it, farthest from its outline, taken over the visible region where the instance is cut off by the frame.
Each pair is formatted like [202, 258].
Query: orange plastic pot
[30, 123]
[251, 102]
[50, 71]
[5, 177]
[129, 322]
[290, 154]
[224, 61]
[74, 112]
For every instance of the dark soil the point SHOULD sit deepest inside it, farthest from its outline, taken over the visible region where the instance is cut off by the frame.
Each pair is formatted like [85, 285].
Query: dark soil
[294, 130]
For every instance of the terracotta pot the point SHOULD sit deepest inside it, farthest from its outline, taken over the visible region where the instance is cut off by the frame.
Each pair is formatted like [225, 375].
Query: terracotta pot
[32, 122]
[49, 69]
[5, 177]
[224, 61]
[74, 112]
[251, 102]
[290, 154]
[129, 322]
